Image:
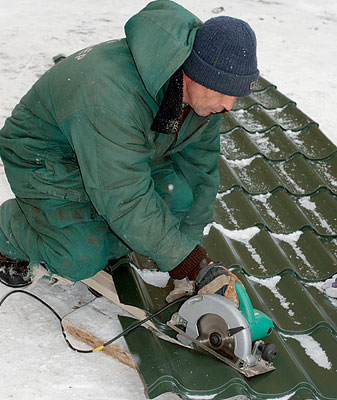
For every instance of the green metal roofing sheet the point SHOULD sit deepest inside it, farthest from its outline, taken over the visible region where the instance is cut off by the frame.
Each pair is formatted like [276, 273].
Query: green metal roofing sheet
[279, 182]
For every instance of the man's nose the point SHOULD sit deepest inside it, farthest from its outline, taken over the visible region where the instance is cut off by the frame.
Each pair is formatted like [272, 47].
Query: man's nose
[228, 102]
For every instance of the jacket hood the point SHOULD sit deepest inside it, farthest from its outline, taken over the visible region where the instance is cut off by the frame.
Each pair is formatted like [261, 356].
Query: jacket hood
[160, 38]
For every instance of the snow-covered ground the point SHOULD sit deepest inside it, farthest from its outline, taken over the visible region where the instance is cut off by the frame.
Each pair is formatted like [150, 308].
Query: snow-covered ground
[297, 51]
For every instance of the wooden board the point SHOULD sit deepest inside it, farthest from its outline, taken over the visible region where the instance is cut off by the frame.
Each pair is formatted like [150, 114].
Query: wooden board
[95, 324]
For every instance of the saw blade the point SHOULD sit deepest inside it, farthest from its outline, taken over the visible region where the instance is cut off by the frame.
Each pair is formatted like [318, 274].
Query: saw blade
[202, 346]
[261, 367]
[213, 332]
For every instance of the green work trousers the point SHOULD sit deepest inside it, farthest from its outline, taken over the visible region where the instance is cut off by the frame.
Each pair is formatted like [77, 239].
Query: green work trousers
[69, 236]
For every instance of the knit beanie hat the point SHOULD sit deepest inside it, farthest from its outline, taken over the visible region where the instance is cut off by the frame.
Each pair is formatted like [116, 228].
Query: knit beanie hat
[223, 57]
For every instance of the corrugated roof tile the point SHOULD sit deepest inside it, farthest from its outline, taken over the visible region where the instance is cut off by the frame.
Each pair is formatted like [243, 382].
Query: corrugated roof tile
[275, 225]
[311, 142]
[298, 176]
[254, 174]
[269, 98]
[276, 144]
[319, 209]
[327, 169]
[290, 117]
[267, 254]
[284, 298]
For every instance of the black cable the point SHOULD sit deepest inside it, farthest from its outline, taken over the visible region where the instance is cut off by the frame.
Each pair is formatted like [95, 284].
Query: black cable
[138, 323]
[51, 309]
[123, 333]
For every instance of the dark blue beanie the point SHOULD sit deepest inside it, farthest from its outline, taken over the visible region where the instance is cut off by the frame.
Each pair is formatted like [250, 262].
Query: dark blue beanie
[224, 57]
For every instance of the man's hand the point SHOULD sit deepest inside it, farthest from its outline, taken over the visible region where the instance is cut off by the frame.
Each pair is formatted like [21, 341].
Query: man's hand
[216, 279]
[182, 287]
[210, 277]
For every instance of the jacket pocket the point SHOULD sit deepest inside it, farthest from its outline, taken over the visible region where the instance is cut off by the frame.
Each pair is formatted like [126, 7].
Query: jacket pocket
[59, 180]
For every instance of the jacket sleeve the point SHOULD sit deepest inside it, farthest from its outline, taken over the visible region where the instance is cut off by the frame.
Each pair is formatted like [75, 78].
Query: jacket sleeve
[198, 162]
[114, 164]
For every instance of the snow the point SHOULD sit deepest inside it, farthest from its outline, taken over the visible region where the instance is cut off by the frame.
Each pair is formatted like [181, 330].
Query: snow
[331, 290]
[323, 168]
[5, 191]
[242, 163]
[153, 277]
[226, 208]
[296, 51]
[271, 284]
[35, 353]
[241, 235]
[264, 143]
[313, 349]
[226, 193]
[306, 203]
[246, 118]
[327, 289]
[263, 199]
[295, 137]
[309, 205]
[288, 180]
[292, 239]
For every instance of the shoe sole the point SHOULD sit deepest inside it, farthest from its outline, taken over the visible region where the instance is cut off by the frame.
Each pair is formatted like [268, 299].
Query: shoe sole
[22, 285]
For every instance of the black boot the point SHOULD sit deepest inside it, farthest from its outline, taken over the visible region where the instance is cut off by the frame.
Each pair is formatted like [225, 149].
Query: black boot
[14, 273]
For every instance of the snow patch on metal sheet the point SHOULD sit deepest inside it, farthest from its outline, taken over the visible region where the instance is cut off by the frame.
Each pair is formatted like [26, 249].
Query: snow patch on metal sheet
[227, 209]
[262, 198]
[271, 284]
[264, 144]
[291, 239]
[152, 276]
[201, 397]
[241, 163]
[326, 171]
[282, 169]
[326, 288]
[309, 205]
[313, 349]
[241, 235]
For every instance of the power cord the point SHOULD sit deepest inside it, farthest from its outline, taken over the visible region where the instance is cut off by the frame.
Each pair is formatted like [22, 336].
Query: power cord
[123, 333]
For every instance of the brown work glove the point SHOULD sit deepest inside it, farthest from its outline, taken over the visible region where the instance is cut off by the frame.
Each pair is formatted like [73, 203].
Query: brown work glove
[191, 265]
[182, 287]
[184, 274]
[216, 279]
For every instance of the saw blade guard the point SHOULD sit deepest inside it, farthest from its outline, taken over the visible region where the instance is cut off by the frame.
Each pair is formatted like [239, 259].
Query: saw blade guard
[201, 305]
[260, 325]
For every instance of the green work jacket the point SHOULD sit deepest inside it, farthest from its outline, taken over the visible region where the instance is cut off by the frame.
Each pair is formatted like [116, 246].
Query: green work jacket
[88, 136]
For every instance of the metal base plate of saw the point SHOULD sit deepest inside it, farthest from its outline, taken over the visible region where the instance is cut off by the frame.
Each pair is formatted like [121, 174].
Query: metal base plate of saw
[215, 325]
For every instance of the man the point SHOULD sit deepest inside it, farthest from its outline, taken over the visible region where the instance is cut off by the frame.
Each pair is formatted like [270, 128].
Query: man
[115, 149]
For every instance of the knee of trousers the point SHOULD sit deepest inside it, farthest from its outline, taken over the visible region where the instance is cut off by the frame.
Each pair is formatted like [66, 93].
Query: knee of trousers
[12, 230]
[78, 254]
[72, 250]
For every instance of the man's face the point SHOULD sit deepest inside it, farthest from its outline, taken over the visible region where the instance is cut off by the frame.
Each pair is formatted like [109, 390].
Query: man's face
[205, 101]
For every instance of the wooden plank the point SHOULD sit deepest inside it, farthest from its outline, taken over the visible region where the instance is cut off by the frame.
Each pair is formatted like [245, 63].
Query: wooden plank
[103, 284]
[95, 324]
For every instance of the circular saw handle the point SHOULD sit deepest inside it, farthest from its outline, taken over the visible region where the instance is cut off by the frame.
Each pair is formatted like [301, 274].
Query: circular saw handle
[259, 324]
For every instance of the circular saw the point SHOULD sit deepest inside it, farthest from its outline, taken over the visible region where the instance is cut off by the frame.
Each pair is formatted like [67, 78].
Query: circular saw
[215, 325]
